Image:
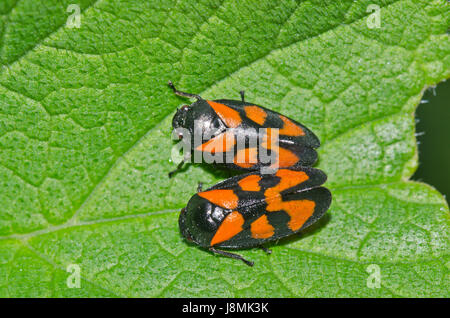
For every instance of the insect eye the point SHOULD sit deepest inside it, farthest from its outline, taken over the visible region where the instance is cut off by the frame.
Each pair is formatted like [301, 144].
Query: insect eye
[184, 107]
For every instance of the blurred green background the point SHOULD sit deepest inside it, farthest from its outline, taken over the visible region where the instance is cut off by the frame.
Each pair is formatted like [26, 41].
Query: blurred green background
[433, 128]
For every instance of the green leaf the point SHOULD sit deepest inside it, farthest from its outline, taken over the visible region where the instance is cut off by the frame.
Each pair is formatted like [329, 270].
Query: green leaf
[85, 117]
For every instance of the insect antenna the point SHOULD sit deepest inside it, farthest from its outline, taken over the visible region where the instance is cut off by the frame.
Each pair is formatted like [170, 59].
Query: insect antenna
[231, 255]
[184, 94]
[265, 249]
[242, 95]
[179, 167]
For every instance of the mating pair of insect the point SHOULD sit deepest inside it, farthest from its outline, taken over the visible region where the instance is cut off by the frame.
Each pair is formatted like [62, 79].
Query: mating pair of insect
[251, 209]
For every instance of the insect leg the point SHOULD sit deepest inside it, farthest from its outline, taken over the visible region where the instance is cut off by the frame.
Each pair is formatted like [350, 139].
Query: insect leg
[242, 95]
[200, 187]
[231, 255]
[179, 93]
[180, 165]
[267, 250]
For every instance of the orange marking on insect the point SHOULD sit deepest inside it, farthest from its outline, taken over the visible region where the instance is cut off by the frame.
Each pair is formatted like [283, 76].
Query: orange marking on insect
[288, 179]
[270, 138]
[299, 211]
[255, 113]
[284, 158]
[289, 128]
[261, 228]
[221, 143]
[231, 225]
[224, 198]
[250, 183]
[274, 203]
[229, 116]
[246, 158]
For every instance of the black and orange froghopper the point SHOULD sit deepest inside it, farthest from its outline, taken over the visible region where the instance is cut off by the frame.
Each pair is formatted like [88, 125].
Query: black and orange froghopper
[252, 209]
[221, 122]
